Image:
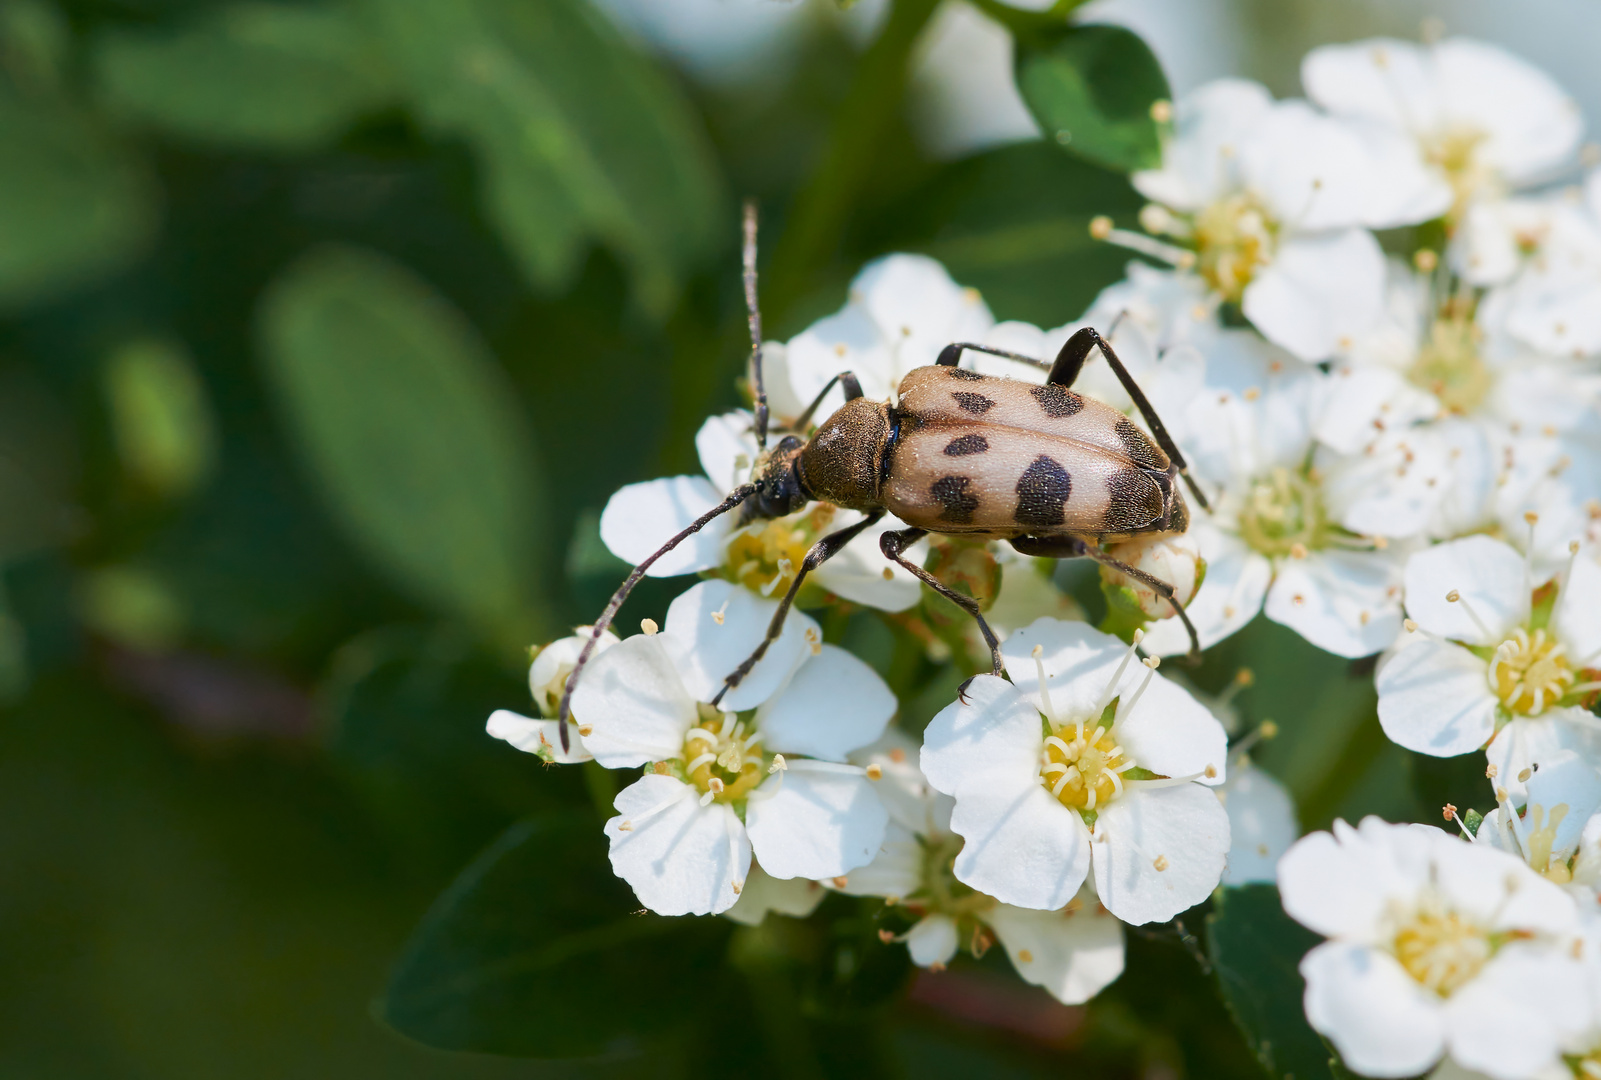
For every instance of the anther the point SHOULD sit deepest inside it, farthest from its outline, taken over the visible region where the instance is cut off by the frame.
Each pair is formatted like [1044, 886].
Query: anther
[886, 936]
[778, 765]
[1524, 774]
[1455, 597]
[1100, 227]
[1491, 771]
[1162, 110]
[875, 771]
[1160, 862]
[586, 729]
[648, 627]
[1024, 956]
[1152, 662]
[715, 786]
[1211, 772]
[841, 881]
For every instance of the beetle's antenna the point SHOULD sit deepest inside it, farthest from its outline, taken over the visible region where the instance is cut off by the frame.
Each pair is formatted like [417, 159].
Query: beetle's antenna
[739, 495]
[754, 318]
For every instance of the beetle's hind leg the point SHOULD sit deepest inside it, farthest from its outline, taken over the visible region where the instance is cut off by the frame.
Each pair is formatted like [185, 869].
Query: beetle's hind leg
[892, 544]
[816, 556]
[1074, 548]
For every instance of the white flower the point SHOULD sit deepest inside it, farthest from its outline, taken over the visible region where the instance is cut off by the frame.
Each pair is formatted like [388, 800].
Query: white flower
[1072, 952]
[725, 784]
[1261, 823]
[1563, 794]
[1243, 415]
[1485, 662]
[1485, 121]
[1551, 298]
[547, 678]
[795, 897]
[1272, 201]
[1436, 946]
[762, 555]
[1088, 763]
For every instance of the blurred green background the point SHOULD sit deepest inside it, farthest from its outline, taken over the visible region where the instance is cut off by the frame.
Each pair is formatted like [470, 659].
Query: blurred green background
[325, 331]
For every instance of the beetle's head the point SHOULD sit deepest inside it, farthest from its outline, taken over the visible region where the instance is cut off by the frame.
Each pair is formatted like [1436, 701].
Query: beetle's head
[779, 490]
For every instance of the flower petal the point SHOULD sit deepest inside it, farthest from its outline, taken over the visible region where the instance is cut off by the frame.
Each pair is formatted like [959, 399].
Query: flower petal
[634, 703]
[1023, 847]
[716, 625]
[1074, 953]
[858, 572]
[815, 824]
[1382, 1021]
[683, 858]
[991, 742]
[1488, 573]
[542, 737]
[1343, 883]
[1236, 583]
[640, 518]
[1319, 290]
[796, 897]
[1434, 698]
[1262, 824]
[908, 796]
[1509, 1022]
[726, 446]
[1344, 602]
[833, 704]
[1528, 742]
[1159, 851]
[1199, 163]
[1577, 619]
[846, 341]
[896, 871]
[1528, 123]
[933, 941]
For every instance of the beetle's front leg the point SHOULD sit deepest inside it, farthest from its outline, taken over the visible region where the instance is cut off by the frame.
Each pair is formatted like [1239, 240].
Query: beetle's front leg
[892, 544]
[816, 556]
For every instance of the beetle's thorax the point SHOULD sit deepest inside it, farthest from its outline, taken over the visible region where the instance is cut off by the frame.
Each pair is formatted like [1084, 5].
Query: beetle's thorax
[842, 462]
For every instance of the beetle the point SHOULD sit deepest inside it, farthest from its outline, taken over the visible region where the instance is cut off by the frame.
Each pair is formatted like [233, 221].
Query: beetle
[1052, 472]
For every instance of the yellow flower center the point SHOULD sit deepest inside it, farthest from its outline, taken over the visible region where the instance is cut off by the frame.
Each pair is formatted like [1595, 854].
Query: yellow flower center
[1530, 672]
[1542, 838]
[1083, 766]
[1233, 239]
[1587, 1067]
[764, 555]
[1441, 949]
[1283, 514]
[722, 758]
[1450, 367]
[1456, 152]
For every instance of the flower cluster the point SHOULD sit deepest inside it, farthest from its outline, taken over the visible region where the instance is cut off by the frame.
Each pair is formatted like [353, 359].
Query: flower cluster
[1375, 340]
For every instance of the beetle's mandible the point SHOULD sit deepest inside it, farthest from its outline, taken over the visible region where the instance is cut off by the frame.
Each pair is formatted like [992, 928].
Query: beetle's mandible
[1048, 470]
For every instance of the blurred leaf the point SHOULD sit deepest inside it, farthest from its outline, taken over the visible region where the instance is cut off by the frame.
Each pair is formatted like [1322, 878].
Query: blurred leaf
[1256, 950]
[1091, 88]
[251, 75]
[409, 430]
[536, 950]
[129, 604]
[34, 41]
[577, 136]
[38, 467]
[74, 205]
[159, 416]
[1015, 224]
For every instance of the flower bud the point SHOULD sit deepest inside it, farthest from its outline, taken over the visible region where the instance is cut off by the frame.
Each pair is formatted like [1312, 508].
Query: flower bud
[1173, 559]
[547, 675]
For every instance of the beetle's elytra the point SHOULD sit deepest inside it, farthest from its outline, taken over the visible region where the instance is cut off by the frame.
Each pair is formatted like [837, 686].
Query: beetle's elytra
[1053, 472]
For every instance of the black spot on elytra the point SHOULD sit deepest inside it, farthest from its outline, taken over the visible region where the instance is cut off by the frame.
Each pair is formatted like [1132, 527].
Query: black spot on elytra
[967, 444]
[1056, 401]
[1137, 445]
[963, 373]
[1041, 492]
[977, 404]
[951, 493]
[1136, 501]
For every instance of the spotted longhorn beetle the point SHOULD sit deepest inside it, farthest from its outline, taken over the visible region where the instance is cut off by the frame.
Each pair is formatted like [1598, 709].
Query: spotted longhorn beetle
[1050, 471]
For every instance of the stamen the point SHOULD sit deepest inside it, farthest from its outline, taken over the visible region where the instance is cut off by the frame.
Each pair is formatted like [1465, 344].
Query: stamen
[648, 627]
[666, 804]
[1045, 690]
[717, 616]
[1456, 597]
[1148, 246]
[1127, 707]
[701, 760]
[1111, 687]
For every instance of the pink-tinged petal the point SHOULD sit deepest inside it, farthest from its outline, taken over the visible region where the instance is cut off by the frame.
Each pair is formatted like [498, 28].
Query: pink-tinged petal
[1319, 290]
[815, 824]
[1344, 602]
[933, 941]
[1023, 847]
[1382, 1021]
[1262, 825]
[634, 704]
[1074, 953]
[795, 897]
[1434, 698]
[1159, 851]
[1489, 574]
[716, 625]
[541, 737]
[640, 518]
[679, 857]
[833, 704]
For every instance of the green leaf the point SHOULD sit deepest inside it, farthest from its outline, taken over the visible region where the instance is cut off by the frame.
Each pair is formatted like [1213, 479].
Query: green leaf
[1014, 223]
[537, 950]
[253, 76]
[1256, 950]
[74, 204]
[577, 137]
[409, 430]
[1091, 88]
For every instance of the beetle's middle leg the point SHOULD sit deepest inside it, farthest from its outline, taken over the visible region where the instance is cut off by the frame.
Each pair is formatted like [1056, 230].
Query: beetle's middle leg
[892, 544]
[1074, 548]
[816, 556]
